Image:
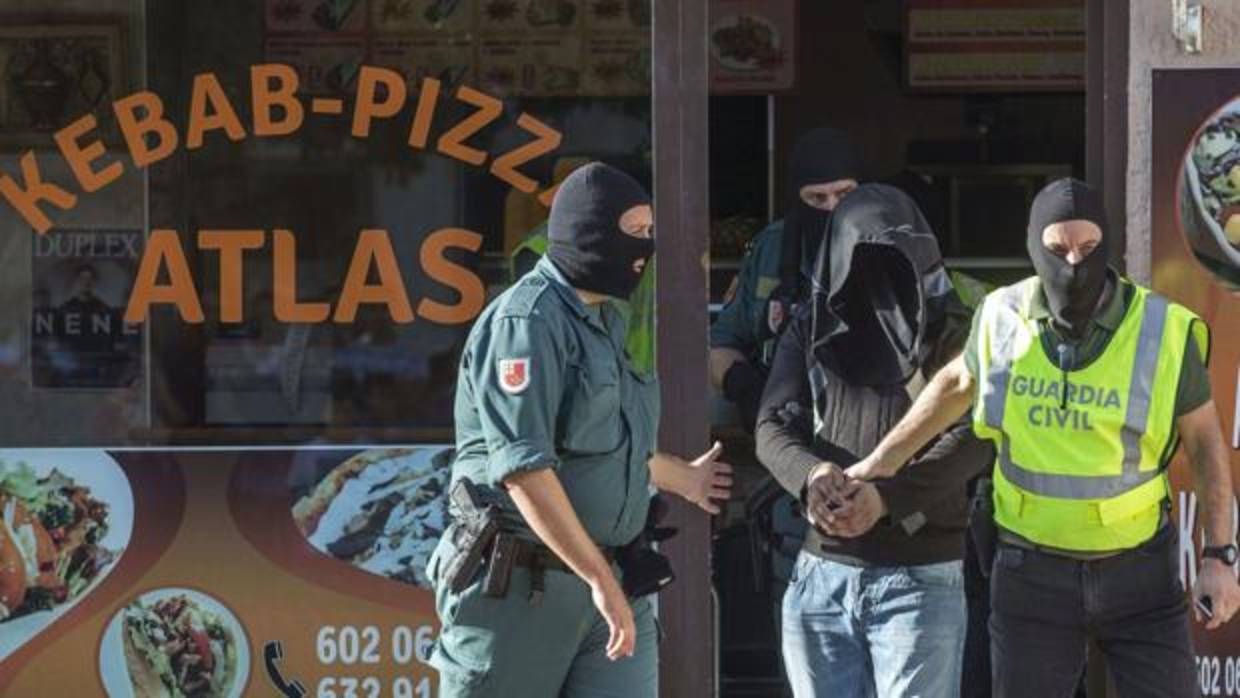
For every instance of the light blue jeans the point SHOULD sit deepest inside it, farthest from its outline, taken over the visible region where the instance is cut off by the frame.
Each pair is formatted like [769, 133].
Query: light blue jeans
[884, 632]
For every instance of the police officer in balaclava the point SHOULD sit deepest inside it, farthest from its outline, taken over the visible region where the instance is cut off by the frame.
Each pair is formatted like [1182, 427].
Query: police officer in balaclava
[824, 167]
[556, 427]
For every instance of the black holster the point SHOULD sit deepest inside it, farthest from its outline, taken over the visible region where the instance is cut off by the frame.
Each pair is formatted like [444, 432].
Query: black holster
[475, 523]
[983, 531]
[502, 560]
[643, 569]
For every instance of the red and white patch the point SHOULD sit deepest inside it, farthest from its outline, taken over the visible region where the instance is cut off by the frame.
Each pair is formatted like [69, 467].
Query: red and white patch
[514, 375]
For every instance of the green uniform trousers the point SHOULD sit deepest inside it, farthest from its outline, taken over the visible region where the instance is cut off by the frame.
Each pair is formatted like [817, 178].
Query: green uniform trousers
[513, 648]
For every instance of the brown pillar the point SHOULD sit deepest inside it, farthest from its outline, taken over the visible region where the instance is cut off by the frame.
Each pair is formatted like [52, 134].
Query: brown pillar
[682, 224]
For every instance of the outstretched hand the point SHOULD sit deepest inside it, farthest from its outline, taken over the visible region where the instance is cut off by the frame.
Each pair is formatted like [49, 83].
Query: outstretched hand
[710, 480]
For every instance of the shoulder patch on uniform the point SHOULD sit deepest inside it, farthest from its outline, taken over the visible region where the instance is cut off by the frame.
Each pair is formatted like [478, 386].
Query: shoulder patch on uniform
[514, 375]
[766, 286]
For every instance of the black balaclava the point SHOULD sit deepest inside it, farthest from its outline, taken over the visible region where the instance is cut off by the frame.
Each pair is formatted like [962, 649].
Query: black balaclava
[585, 240]
[1072, 291]
[821, 155]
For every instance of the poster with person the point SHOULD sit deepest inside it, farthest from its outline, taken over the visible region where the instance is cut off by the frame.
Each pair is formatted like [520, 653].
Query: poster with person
[81, 282]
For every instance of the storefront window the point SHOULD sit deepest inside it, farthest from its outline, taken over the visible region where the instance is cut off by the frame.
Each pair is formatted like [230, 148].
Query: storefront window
[244, 246]
[345, 183]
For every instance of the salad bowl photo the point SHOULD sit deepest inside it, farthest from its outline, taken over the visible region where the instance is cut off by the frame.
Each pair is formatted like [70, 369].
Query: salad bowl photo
[1209, 197]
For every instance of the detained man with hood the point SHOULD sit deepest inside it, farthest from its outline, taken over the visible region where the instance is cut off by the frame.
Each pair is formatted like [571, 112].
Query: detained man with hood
[823, 168]
[556, 428]
[876, 604]
[1085, 382]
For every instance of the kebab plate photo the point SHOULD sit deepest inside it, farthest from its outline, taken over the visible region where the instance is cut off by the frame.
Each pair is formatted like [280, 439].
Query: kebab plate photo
[51, 540]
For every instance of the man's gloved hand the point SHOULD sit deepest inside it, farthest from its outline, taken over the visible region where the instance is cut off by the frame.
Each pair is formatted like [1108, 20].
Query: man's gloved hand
[742, 386]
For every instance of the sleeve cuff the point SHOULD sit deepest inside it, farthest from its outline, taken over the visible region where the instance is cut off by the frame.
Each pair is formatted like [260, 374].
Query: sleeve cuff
[804, 465]
[518, 457]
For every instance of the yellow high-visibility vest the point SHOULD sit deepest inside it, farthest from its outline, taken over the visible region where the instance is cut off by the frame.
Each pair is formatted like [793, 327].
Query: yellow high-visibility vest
[1081, 454]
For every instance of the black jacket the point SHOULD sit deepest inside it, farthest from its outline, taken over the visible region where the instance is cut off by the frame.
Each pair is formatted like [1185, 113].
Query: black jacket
[835, 388]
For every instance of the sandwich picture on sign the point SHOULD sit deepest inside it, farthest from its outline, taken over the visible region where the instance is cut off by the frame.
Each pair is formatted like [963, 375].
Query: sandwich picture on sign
[514, 375]
[381, 511]
[174, 643]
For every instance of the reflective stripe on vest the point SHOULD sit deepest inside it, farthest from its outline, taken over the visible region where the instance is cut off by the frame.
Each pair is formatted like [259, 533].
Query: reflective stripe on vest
[1080, 454]
[1141, 385]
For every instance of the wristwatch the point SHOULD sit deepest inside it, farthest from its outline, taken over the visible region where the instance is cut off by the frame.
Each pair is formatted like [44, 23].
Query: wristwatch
[1227, 553]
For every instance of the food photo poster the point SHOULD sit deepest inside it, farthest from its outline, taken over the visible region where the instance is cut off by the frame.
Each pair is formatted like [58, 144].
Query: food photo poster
[254, 571]
[1195, 219]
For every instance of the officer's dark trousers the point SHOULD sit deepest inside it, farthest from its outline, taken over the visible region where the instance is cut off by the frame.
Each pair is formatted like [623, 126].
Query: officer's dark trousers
[975, 670]
[1044, 607]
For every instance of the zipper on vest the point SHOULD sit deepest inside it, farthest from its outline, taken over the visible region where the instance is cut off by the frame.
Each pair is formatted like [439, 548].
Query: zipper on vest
[1067, 357]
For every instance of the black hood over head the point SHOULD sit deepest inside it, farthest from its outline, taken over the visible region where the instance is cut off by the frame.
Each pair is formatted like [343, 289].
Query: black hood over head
[1072, 290]
[821, 155]
[584, 238]
[880, 290]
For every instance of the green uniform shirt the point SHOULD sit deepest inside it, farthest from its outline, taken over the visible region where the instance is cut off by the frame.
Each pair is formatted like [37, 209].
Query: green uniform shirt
[741, 324]
[1193, 390]
[544, 382]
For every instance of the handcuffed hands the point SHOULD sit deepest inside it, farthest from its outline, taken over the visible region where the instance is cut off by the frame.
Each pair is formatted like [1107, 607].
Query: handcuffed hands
[841, 505]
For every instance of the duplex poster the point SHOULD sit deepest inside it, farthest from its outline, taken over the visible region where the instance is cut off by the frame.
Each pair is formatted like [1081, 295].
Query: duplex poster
[82, 278]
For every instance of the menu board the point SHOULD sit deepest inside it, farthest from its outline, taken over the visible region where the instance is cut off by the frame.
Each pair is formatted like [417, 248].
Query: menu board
[255, 571]
[527, 48]
[989, 45]
[1196, 262]
[753, 46]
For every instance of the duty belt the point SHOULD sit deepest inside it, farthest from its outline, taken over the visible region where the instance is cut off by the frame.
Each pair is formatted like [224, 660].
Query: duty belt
[510, 551]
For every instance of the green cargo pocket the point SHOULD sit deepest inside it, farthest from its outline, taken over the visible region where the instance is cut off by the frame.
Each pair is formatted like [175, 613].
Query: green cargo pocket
[448, 603]
[462, 656]
[592, 423]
